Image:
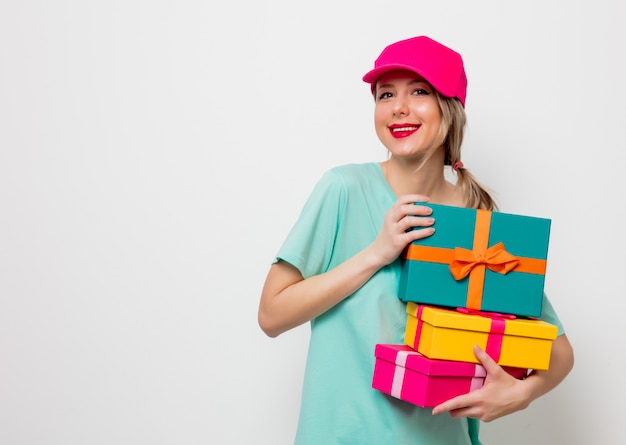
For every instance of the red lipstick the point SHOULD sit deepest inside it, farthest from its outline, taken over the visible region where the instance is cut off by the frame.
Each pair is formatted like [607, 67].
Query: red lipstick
[399, 131]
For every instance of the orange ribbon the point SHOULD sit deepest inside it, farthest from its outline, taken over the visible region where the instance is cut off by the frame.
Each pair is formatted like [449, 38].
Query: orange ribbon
[464, 262]
[494, 258]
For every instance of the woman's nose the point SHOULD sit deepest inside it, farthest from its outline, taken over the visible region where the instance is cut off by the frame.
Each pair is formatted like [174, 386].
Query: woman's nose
[400, 107]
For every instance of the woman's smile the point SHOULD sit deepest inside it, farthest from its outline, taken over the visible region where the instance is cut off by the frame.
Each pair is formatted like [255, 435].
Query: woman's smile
[403, 130]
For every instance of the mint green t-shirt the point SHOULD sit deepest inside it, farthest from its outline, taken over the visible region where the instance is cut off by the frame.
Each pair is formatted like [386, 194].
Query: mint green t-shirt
[342, 216]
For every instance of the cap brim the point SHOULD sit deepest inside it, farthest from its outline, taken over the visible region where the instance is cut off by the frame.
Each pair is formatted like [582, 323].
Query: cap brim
[373, 75]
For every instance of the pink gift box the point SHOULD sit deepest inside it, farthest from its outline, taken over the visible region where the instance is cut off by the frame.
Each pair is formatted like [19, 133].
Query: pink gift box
[407, 375]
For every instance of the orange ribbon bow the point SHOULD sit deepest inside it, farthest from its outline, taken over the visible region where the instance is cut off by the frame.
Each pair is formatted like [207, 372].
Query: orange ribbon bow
[494, 258]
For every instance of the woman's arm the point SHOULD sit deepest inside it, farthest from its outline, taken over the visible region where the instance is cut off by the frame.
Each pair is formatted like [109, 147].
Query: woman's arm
[288, 300]
[502, 394]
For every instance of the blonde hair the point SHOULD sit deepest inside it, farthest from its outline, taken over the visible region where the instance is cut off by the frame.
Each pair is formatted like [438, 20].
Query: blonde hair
[453, 120]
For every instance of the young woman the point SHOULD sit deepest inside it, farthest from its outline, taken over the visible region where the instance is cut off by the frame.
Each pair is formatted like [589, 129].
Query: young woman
[339, 266]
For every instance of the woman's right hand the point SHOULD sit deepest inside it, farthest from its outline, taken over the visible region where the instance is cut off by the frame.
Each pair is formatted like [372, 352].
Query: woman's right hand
[395, 233]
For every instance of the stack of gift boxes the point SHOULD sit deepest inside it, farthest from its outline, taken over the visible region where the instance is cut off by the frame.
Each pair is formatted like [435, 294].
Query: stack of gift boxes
[477, 281]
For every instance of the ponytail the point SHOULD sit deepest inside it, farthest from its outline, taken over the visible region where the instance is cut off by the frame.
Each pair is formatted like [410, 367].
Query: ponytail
[453, 121]
[476, 195]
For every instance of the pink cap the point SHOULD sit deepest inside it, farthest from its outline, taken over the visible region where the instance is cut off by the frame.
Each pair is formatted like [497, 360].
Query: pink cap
[439, 65]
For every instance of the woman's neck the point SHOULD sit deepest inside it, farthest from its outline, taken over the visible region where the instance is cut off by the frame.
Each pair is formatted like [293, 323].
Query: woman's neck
[409, 178]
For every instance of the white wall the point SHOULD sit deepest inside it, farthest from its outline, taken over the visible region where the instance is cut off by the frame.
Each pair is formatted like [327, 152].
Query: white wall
[154, 154]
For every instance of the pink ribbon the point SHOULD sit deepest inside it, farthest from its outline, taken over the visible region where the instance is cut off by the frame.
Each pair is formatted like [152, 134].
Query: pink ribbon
[494, 339]
[496, 330]
[418, 329]
[478, 379]
[469, 311]
[398, 374]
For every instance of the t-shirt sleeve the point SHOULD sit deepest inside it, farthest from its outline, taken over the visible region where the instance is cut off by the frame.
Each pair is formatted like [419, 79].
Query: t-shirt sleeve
[548, 314]
[309, 245]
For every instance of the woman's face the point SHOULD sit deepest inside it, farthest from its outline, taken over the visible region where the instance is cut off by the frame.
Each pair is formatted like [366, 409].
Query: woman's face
[406, 116]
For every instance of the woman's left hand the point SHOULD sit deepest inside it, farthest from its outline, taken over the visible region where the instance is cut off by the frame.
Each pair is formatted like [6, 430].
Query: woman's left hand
[501, 394]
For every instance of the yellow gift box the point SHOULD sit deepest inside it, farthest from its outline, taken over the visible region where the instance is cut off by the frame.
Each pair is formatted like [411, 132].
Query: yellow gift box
[446, 334]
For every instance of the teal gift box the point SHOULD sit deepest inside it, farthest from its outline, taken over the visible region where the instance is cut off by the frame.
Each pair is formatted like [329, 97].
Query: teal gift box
[479, 260]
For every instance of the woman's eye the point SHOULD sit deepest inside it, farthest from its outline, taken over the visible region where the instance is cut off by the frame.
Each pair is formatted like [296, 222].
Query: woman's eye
[421, 91]
[385, 95]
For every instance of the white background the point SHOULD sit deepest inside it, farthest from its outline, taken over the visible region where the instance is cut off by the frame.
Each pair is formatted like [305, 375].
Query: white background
[154, 154]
